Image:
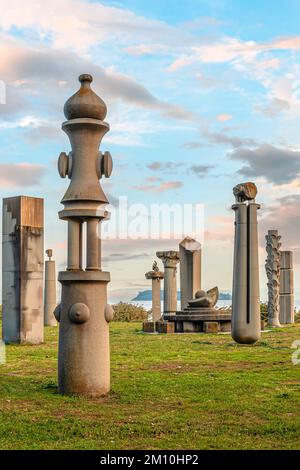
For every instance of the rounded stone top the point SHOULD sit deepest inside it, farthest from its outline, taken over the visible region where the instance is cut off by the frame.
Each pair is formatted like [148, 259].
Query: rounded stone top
[85, 103]
[245, 191]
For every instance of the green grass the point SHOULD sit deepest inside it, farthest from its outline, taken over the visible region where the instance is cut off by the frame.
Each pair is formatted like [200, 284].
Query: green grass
[168, 392]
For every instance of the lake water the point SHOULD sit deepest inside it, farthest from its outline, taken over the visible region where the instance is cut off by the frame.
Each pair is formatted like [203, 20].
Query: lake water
[147, 304]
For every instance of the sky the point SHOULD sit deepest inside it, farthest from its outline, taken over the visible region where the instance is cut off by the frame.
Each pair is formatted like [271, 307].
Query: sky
[201, 95]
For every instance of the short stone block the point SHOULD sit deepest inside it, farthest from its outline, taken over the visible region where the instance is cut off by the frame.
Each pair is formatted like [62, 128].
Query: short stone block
[165, 327]
[211, 327]
[149, 327]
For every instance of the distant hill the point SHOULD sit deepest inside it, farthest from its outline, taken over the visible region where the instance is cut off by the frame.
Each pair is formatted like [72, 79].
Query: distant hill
[147, 295]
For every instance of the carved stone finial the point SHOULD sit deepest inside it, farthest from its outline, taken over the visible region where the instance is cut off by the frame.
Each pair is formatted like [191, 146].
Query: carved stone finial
[245, 192]
[85, 103]
[49, 253]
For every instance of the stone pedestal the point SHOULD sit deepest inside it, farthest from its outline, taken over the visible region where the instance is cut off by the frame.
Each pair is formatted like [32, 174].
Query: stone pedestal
[245, 327]
[170, 260]
[287, 303]
[83, 315]
[272, 266]
[201, 320]
[190, 269]
[22, 270]
[156, 276]
[50, 291]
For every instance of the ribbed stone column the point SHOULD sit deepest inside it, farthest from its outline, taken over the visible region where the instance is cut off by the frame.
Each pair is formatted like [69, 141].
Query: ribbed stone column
[272, 266]
[170, 260]
[156, 276]
[286, 288]
[190, 269]
[50, 291]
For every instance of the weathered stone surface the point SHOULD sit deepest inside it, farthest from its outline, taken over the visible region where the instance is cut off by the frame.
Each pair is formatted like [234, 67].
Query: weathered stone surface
[170, 260]
[156, 275]
[287, 302]
[50, 291]
[190, 269]
[165, 327]
[149, 327]
[211, 327]
[245, 292]
[272, 266]
[83, 360]
[22, 270]
[245, 192]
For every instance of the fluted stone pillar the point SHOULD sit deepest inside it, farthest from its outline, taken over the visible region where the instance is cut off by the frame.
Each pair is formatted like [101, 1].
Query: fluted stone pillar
[50, 291]
[190, 269]
[286, 288]
[245, 292]
[272, 266]
[83, 314]
[170, 260]
[156, 276]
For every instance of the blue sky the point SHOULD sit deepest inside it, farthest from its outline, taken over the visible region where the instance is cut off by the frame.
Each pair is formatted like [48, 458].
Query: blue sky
[201, 95]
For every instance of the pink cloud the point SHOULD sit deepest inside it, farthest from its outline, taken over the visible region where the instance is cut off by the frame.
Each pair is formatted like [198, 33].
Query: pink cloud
[162, 187]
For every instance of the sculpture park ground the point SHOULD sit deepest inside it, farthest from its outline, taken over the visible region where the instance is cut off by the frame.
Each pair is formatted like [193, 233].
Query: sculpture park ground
[182, 391]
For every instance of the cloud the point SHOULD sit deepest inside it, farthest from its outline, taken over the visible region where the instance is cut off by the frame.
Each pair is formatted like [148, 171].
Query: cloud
[39, 72]
[224, 117]
[201, 170]
[220, 138]
[15, 175]
[284, 216]
[276, 165]
[78, 25]
[160, 188]
[163, 166]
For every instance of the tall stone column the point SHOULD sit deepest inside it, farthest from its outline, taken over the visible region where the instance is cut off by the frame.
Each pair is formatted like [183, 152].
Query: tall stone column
[22, 270]
[272, 266]
[83, 315]
[156, 276]
[190, 269]
[287, 303]
[50, 291]
[170, 260]
[245, 323]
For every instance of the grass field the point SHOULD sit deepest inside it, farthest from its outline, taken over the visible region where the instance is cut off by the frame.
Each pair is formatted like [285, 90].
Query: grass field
[175, 391]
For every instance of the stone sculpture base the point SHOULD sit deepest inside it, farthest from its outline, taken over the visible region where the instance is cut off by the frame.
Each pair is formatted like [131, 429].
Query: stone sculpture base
[201, 320]
[158, 327]
[83, 360]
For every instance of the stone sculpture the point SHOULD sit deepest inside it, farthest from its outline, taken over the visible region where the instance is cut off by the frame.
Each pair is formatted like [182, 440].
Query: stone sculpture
[246, 323]
[170, 260]
[272, 266]
[22, 270]
[190, 269]
[156, 276]
[83, 315]
[50, 291]
[201, 315]
[287, 303]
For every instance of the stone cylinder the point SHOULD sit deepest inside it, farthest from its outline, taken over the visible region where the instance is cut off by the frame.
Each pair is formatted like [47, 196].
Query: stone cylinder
[50, 294]
[156, 277]
[84, 358]
[245, 293]
[190, 270]
[170, 260]
[286, 298]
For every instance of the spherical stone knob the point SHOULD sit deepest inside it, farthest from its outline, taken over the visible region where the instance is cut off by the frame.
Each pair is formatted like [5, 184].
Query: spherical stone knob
[85, 103]
[79, 313]
[57, 312]
[109, 313]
